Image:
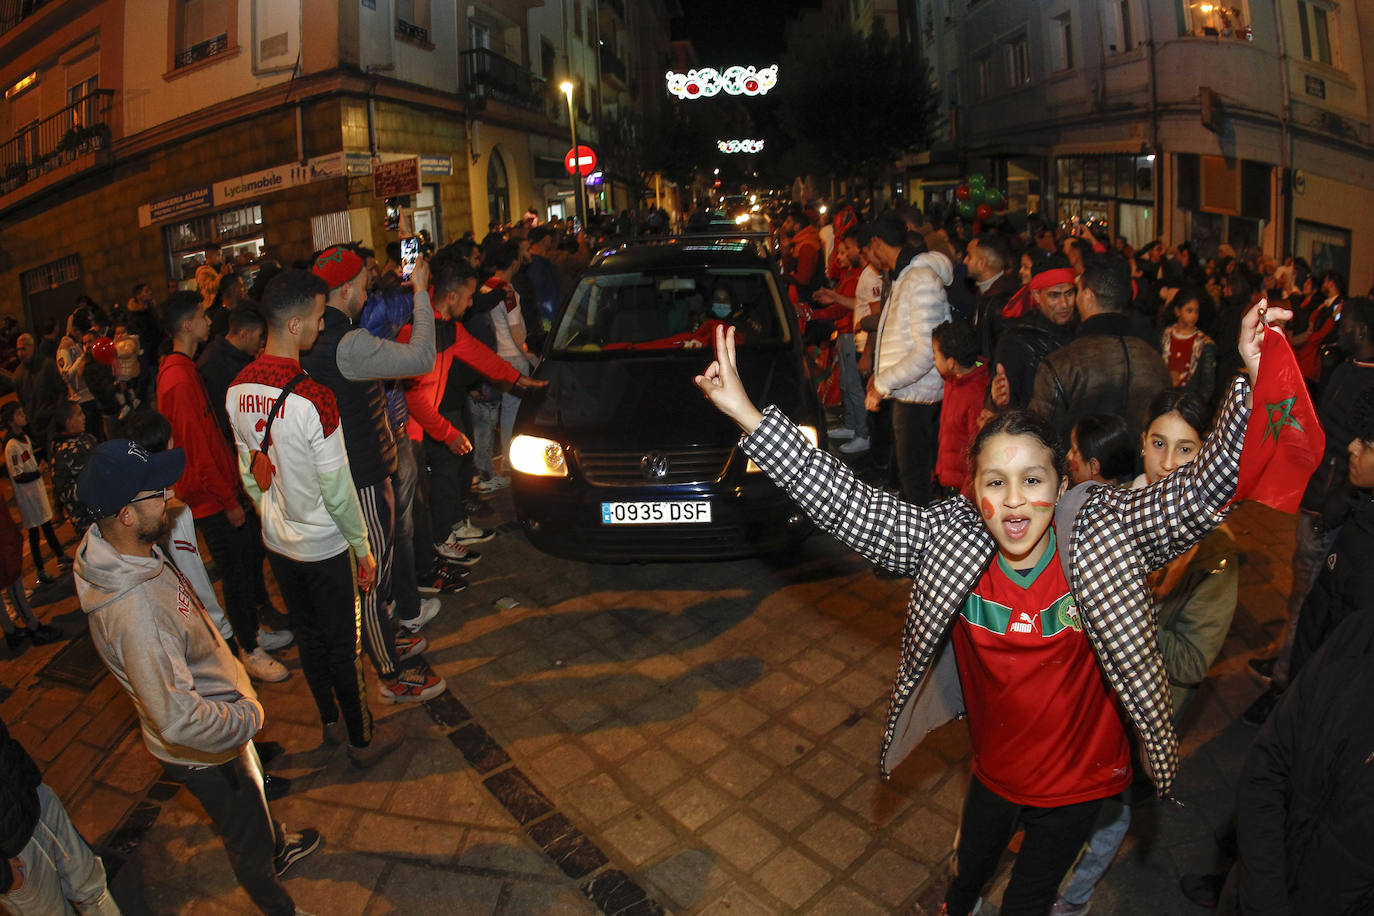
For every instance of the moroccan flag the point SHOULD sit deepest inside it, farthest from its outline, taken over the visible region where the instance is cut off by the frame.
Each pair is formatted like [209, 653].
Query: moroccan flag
[1283, 441]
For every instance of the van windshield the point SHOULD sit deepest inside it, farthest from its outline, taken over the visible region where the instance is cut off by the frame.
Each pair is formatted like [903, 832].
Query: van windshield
[671, 309]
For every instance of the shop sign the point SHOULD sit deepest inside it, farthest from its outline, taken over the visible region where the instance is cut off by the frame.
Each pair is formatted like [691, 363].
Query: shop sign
[436, 165]
[173, 207]
[357, 164]
[396, 178]
[323, 168]
[256, 184]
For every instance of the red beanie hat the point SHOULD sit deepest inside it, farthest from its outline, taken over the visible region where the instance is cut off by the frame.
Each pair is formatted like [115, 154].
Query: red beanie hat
[336, 265]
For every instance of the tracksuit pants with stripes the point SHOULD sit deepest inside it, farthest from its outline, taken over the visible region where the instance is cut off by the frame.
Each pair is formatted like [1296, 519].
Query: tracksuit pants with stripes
[379, 633]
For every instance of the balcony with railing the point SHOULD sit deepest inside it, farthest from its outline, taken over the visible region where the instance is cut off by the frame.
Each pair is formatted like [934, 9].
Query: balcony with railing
[201, 50]
[488, 75]
[13, 12]
[74, 139]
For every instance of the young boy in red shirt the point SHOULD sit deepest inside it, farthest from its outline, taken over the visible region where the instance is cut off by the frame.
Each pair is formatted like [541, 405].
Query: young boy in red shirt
[955, 346]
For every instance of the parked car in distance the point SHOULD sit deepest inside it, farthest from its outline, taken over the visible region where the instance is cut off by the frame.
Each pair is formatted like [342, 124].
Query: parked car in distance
[621, 458]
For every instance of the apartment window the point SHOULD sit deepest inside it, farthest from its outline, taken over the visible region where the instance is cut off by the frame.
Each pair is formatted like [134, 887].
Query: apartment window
[1061, 42]
[1118, 21]
[498, 191]
[547, 60]
[1213, 19]
[1018, 62]
[577, 17]
[479, 36]
[202, 29]
[1317, 21]
[983, 75]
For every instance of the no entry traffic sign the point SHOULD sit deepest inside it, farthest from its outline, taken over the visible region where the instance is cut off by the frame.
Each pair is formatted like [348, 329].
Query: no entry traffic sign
[580, 161]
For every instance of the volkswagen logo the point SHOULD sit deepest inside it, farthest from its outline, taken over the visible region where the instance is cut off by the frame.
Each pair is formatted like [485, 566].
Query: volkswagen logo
[654, 466]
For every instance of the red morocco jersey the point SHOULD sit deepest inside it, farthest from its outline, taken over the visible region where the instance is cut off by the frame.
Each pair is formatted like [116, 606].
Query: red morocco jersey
[1043, 720]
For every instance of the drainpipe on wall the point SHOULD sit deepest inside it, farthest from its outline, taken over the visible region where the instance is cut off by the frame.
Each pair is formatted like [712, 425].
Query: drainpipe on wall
[1283, 236]
[1161, 165]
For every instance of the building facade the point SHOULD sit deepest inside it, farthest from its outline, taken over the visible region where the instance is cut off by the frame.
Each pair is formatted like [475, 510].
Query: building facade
[1245, 122]
[142, 139]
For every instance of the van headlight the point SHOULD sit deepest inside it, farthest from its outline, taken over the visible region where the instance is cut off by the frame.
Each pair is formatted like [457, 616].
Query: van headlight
[808, 431]
[538, 457]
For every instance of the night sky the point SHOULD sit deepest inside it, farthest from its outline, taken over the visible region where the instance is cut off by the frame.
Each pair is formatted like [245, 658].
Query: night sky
[728, 32]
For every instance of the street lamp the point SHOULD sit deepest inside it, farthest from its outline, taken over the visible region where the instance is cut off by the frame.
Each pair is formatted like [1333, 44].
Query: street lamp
[567, 87]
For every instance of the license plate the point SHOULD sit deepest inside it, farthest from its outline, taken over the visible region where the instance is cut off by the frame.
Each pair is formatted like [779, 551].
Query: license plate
[666, 512]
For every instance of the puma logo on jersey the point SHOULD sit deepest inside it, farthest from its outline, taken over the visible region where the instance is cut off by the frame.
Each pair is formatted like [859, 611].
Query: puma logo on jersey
[1025, 623]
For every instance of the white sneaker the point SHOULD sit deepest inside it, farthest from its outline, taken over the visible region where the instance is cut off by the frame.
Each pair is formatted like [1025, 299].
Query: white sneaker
[467, 533]
[272, 640]
[429, 609]
[452, 549]
[492, 484]
[840, 432]
[854, 446]
[264, 667]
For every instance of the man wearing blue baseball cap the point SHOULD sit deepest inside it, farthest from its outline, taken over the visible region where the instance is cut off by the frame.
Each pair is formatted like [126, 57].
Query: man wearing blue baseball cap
[196, 705]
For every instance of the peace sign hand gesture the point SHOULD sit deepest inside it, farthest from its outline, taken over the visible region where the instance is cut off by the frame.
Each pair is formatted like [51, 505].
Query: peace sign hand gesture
[722, 386]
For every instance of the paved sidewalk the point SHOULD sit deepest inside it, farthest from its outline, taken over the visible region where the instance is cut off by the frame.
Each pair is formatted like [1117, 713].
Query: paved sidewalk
[693, 738]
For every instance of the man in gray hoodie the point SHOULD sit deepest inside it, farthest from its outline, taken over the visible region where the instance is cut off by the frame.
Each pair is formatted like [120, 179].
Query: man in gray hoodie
[196, 706]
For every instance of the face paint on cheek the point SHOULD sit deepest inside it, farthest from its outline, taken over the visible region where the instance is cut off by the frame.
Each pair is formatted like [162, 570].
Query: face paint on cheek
[988, 510]
[1039, 505]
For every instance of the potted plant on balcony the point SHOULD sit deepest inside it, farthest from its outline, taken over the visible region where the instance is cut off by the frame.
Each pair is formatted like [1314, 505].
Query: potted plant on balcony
[16, 173]
[67, 146]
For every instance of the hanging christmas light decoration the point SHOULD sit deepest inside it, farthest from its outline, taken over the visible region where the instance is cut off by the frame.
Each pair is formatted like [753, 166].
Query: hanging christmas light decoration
[706, 82]
[739, 146]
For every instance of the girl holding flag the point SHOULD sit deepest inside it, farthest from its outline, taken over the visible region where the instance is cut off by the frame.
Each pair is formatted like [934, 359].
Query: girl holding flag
[1032, 613]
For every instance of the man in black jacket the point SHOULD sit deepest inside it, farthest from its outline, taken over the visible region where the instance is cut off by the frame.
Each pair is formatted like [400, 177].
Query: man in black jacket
[225, 357]
[44, 862]
[1106, 368]
[1035, 335]
[1303, 809]
[1327, 500]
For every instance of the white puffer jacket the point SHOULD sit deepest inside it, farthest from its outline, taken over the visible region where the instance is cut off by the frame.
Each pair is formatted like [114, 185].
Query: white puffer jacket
[905, 364]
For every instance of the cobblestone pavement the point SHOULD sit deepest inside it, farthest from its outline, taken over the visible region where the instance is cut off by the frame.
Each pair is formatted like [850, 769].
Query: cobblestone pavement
[692, 738]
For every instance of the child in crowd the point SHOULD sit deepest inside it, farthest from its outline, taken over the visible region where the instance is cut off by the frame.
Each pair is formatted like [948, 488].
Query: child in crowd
[1195, 599]
[955, 346]
[1189, 353]
[35, 510]
[1101, 450]
[71, 449]
[1041, 669]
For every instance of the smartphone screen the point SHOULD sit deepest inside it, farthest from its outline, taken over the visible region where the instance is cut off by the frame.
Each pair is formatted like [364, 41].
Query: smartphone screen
[410, 252]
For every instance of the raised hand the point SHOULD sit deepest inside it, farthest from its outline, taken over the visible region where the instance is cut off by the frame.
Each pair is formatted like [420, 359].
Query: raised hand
[722, 386]
[1252, 331]
[1001, 387]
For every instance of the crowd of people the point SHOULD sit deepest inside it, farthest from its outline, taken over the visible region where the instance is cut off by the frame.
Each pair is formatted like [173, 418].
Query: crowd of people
[1000, 368]
[1055, 420]
[338, 428]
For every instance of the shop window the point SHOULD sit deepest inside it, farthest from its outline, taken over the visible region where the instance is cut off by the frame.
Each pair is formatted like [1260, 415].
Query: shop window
[237, 234]
[1018, 62]
[202, 29]
[498, 191]
[1098, 189]
[49, 290]
[1316, 23]
[1061, 43]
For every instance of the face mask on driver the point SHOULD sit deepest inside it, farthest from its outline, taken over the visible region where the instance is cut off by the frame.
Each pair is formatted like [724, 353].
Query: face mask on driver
[721, 309]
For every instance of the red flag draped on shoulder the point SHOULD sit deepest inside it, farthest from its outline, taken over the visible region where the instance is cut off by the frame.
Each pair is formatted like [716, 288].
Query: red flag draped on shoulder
[1283, 441]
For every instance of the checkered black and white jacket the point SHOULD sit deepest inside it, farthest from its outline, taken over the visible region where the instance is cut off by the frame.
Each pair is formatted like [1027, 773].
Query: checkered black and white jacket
[1118, 537]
